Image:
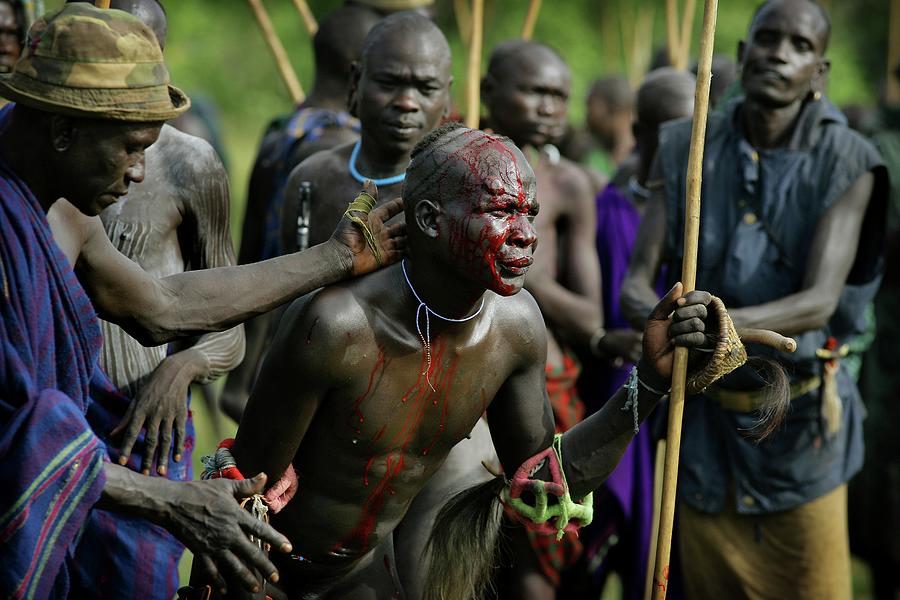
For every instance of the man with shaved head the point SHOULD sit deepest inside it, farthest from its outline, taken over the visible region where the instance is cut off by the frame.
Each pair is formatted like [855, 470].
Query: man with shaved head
[319, 123]
[368, 386]
[624, 518]
[791, 235]
[526, 91]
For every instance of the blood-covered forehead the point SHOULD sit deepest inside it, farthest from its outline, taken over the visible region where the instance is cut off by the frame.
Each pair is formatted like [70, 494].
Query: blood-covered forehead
[490, 164]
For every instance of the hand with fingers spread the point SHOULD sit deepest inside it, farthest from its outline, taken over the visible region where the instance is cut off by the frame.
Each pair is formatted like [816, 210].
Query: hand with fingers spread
[207, 518]
[160, 407]
[675, 321]
[389, 240]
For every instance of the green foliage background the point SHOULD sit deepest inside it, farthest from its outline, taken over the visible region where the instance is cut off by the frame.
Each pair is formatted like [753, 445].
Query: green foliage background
[216, 50]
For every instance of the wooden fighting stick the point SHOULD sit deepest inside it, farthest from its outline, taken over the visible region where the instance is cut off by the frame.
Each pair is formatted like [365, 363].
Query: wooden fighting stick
[684, 37]
[688, 279]
[534, 7]
[101, 3]
[473, 79]
[309, 20]
[281, 60]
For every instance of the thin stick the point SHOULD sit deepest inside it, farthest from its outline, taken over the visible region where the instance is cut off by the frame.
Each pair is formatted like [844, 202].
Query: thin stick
[463, 13]
[530, 19]
[101, 3]
[281, 60]
[893, 57]
[684, 38]
[309, 20]
[473, 82]
[659, 461]
[688, 278]
[673, 44]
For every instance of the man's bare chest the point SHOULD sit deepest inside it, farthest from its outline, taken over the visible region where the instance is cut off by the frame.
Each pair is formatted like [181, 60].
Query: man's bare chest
[413, 405]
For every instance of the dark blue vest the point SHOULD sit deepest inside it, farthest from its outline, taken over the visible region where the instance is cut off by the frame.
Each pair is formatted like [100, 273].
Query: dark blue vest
[759, 212]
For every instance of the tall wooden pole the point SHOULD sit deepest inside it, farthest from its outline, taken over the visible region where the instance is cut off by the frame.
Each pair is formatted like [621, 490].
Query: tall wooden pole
[473, 79]
[893, 57]
[687, 32]
[673, 44]
[306, 14]
[281, 60]
[688, 278]
[534, 7]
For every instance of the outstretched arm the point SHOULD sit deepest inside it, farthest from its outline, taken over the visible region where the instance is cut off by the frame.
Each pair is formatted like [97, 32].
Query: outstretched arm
[156, 311]
[830, 260]
[522, 424]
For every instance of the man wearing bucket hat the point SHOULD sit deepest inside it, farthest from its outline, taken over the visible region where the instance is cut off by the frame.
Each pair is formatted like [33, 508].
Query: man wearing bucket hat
[91, 91]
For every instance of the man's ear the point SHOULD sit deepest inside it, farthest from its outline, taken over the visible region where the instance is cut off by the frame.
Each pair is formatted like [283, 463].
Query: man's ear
[819, 80]
[449, 101]
[352, 100]
[62, 130]
[426, 213]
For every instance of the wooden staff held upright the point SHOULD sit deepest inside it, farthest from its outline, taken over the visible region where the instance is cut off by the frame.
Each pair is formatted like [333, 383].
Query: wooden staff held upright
[473, 80]
[309, 20]
[281, 60]
[688, 278]
[534, 7]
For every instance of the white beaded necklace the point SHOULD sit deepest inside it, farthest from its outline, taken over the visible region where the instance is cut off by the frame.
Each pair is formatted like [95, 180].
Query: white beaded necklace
[426, 339]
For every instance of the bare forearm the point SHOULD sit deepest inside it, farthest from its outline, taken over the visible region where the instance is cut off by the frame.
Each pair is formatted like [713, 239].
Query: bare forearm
[215, 299]
[791, 315]
[593, 448]
[137, 495]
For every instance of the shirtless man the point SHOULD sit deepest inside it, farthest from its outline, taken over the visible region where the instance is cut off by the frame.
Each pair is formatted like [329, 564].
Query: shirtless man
[319, 123]
[89, 131]
[400, 90]
[369, 385]
[526, 91]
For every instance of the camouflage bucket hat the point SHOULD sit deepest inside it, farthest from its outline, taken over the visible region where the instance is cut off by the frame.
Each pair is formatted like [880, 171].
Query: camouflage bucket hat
[88, 62]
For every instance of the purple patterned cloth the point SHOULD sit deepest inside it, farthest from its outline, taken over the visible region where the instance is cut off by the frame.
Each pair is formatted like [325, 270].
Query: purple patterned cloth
[56, 410]
[51, 463]
[623, 507]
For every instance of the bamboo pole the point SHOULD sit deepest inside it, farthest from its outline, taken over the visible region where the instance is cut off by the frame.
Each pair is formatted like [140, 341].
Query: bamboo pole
[281, 60]
[309, 20]
[673, 44]
[473, 80]
[686, 34]
[688, 279]
[101, 3]
[893, 57]
[658, 464]
[463, 13]
[534, 7]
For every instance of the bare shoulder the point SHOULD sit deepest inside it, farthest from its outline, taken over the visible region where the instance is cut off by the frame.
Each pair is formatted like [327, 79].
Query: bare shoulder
[572, 178]
[323, 166]
[72, 229]
[520, 321]
[321, 322]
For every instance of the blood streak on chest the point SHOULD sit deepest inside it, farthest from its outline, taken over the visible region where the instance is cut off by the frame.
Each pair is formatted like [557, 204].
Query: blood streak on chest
[420, 409]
